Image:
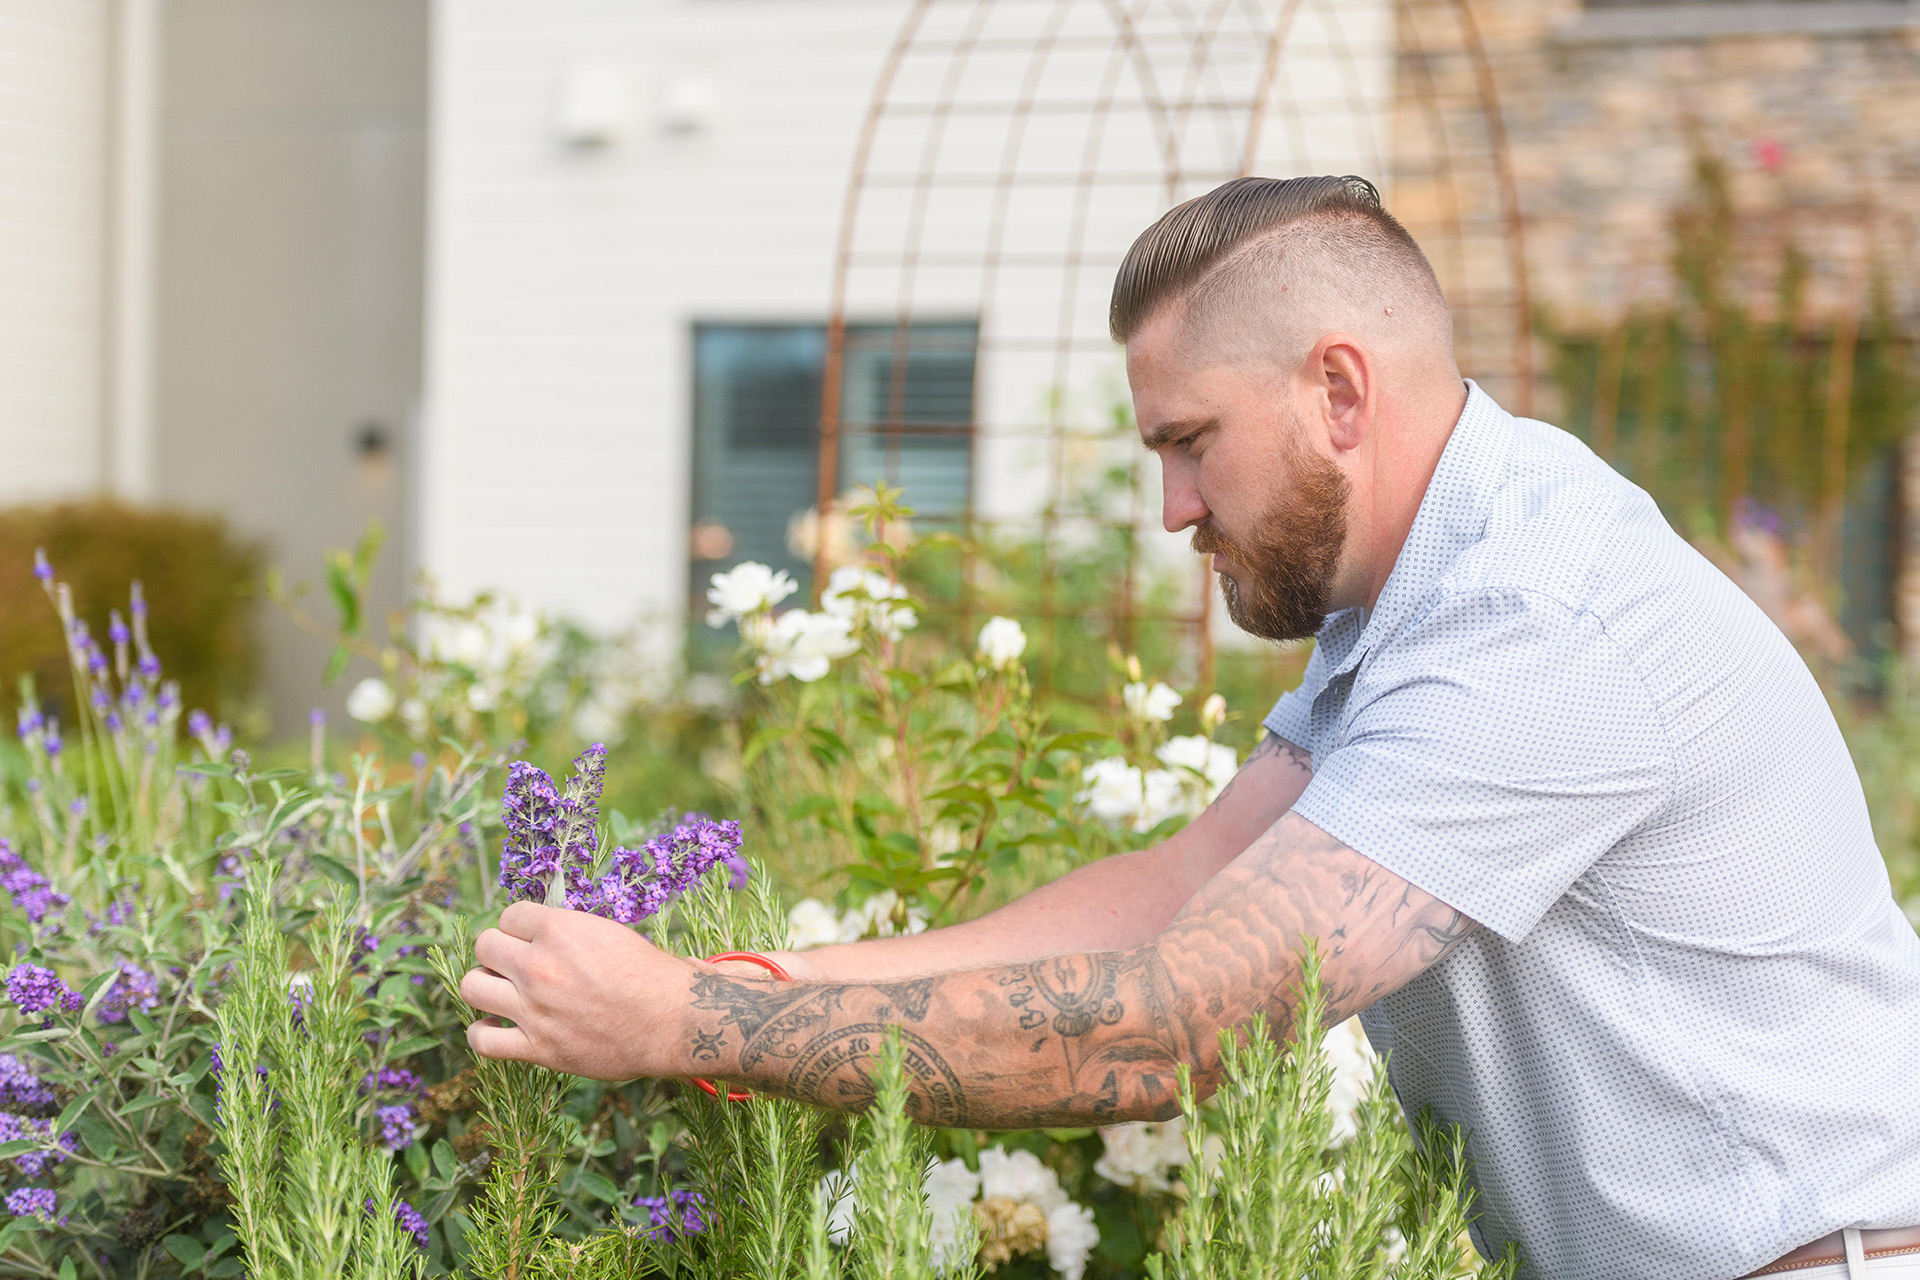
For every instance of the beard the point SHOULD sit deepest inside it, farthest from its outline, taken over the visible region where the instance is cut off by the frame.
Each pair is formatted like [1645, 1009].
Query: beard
[1291, 555]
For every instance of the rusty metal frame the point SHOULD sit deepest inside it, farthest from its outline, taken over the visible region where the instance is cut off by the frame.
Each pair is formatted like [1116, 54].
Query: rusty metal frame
[1206, 79]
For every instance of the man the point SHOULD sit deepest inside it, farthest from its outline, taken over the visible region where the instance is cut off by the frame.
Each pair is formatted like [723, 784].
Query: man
[1573, 822]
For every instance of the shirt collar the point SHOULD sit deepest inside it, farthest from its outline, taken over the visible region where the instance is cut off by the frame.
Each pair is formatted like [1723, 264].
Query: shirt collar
[1452, 517]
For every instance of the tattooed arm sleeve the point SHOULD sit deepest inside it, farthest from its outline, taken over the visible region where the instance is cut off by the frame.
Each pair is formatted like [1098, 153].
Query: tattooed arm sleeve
[1090, 1036]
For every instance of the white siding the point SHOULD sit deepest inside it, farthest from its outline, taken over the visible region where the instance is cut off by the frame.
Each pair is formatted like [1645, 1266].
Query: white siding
[53, 151]
[562, 285]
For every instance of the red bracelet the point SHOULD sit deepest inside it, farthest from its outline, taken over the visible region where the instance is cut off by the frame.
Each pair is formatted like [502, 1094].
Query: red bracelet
[751, 957]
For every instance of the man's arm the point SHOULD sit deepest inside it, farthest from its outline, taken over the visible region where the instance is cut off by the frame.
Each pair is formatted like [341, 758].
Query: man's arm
[1077, 1037]
[1113, 904]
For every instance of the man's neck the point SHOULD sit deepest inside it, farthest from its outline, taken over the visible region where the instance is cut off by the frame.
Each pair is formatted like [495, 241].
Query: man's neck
[1404, 462]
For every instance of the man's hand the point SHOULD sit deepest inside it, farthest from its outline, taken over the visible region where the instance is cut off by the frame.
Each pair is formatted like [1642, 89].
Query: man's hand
[585, 995]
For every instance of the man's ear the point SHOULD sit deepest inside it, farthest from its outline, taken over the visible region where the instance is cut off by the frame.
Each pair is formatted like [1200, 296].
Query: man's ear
[1343, 370]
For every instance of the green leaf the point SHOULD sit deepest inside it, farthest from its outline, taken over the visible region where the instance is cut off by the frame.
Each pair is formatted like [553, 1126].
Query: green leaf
[18, 1147]
[142, 1022]
[444, 1159]
[227, 1267]
[337, 870]
[337, 663]
[40, 1037]
[412, 1045]
[8, 1232]
[99, 1138]
[416, 1158]
[811, 806]
[599, 1187]
[187, 1251]
[438, 1206]
[760, 742]
[66, 1270]
[71, 1112]
[1076, 742]
[204, 1109]
[146, 1103]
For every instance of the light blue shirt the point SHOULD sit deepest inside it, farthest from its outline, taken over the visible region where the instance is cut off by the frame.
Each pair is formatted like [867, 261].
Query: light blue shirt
[1686, 1038]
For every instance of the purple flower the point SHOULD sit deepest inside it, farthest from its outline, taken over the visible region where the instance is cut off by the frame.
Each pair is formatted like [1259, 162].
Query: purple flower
[32, 1202]
[673, 1216]
[643, 881]
[397, 1123]
[32, 1164]
[149, 666]
[545, 825]
[31, 721]
[34, 989]
[27, 888]
[41, 569]
[410, 1221]
[20, 1089]
[135, 988]
[51, 744]
[199, 723]
[317, 718]
[392, 1078]
[117, 628]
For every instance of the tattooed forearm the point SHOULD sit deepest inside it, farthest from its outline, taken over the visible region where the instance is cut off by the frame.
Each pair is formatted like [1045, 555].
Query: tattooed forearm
[1270, 747]
[1096, 1036]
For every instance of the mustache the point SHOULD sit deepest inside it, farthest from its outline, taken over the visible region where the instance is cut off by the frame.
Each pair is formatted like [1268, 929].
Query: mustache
[1208, 540]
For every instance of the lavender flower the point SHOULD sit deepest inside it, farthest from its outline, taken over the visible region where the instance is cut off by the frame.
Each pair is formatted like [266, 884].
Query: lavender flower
[41, 569]
[199, 723]
[673, 1216]
[34, 989]
[410, 1221]
[20, 1089]
[117, 629]
[27, 888]
[397, 1123]
[135, 988]
[645, 880]
[32, 1202]
[32, 1164]
[392, 1078]
[546, 827]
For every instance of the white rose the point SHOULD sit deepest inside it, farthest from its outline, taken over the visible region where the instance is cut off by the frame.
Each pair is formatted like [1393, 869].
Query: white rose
[1020, 1176]
[874, 918]
[413, 714]
[371, 700]
[1346, 1051]
[811, 923]
[1114, 791]
[862, 596]
[1156, 703]
[803, 645]
[748, 588]
[1165, 794]
[1213, 712]
[1071, 1236]
[463, 644]
[1134, 1156]
[1213, 761]
[1001, 643]
[950, 1190]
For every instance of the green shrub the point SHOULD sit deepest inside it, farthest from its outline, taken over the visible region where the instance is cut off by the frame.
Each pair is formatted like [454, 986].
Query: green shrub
[197, 574]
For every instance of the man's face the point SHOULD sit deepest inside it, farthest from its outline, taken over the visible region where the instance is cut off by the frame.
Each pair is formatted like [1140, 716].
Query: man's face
[1240, 468]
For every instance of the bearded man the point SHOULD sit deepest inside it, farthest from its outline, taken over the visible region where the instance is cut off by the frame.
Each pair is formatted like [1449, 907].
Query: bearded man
[1572, 822]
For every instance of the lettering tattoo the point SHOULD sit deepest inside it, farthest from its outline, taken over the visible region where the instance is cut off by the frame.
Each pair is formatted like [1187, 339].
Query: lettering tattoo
[1091, 1036]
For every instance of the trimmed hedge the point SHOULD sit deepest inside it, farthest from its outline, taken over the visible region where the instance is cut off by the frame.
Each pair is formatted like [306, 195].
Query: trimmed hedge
[199, 578]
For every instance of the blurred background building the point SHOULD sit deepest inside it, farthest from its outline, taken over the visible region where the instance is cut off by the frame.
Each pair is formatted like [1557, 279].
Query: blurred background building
[557, 291]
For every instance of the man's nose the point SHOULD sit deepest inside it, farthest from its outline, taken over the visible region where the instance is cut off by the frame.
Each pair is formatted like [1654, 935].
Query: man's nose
[1181, 506]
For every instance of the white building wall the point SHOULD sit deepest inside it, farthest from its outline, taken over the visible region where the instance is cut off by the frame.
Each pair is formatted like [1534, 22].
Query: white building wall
[54, 59]
[563, 283]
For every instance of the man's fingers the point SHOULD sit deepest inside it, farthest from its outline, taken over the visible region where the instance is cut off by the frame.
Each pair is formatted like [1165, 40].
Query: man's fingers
[501, 952]
[491, 1040]
[491, 993]
[524, 920]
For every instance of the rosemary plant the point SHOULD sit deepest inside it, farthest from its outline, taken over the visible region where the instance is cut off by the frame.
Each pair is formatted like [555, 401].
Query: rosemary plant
[313, 1200]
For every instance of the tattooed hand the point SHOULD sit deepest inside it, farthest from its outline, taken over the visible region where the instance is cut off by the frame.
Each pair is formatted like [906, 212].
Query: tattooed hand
[1074, 1038]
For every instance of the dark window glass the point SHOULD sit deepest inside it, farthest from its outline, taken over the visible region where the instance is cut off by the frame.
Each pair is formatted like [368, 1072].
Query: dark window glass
[756, 419]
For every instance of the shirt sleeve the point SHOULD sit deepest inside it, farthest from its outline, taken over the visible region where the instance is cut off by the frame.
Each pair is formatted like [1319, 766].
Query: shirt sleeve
[1291, 717]
[1491, 753]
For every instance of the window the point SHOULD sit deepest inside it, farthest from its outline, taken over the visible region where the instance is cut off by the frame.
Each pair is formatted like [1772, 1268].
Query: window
[906, 418]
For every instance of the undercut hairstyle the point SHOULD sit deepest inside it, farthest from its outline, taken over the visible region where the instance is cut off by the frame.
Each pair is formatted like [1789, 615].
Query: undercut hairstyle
[1310, 254]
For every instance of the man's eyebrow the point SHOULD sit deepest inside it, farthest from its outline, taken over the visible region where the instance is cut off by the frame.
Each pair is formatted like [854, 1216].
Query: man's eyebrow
[1169, 432]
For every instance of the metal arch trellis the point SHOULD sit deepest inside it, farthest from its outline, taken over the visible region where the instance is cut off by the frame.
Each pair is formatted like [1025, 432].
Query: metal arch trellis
[1013, 148]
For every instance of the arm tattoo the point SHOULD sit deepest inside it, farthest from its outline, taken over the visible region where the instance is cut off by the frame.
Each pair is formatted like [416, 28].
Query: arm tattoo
[1269, 746]
[1092, 1036]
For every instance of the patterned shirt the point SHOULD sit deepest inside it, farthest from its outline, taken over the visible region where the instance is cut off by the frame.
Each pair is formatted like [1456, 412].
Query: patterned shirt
[1684, 1040]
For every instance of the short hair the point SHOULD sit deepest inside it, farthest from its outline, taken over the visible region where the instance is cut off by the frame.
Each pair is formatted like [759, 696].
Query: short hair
[1214, 247]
